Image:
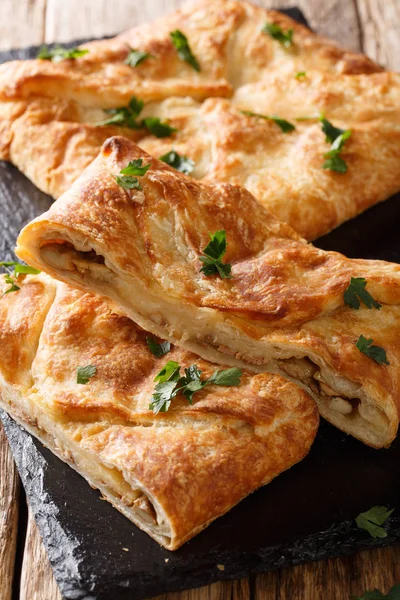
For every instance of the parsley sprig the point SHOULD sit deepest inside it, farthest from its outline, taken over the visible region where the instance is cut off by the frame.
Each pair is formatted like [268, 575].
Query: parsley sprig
[301, 75]
[285, 38]
[58, 53]
[336, 137]
[377, 353]
[356, 293]
[393, 594]
[127, 116]
[126, 178]
[136, 57]
[285, 126]
[178, 161]
[84, 374]
[11, 275]
[373, 519]
[156, 348]
[183, 49]
[170, 383]
[214, 251]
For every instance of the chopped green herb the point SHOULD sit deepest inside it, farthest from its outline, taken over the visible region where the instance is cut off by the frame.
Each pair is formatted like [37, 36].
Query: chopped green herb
[285, 126]
[393, 594]
[11, 276]
[334, 162]
[58, 53]
[377, 353]
[125, 116]
[125, 178]
[158, 349]
[373, 519]
[331, 132]
[178, 161]
[157, 127]
[170, 383]
[301, 75]
[136, 57]
[83, 374]
[182, 47]
[214, 251]
[135, 167]
[356, 293]
[276, 32]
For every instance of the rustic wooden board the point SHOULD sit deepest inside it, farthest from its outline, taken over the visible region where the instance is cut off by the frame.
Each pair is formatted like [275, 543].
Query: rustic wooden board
[369, 25]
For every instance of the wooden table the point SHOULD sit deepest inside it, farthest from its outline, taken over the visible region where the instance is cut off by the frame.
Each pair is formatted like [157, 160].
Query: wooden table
[372, 26]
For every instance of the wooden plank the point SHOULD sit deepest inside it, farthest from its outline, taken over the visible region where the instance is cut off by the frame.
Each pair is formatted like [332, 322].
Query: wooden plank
[22, 23]
[37, 579]
[9, 490]
[380, 23]
[228, 590]
[87, 18]
[338, 578]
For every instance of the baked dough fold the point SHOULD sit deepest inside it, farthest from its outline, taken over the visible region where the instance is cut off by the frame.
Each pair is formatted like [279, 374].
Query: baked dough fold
[49, 111]
[171, 473]
[282, 311]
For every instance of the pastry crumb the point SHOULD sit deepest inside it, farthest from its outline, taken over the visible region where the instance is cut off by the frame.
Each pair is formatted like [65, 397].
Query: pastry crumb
[221, 567]
[166, 559]
[125, 549]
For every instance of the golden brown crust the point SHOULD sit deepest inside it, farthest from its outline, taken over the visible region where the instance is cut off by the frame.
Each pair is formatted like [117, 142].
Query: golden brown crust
[285, 299]
[42, 103]
[283, 170]
[266, 422]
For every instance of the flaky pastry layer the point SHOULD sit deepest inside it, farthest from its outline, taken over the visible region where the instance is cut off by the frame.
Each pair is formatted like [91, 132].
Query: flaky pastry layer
[282, 311]
[49, 111]
[171, 473]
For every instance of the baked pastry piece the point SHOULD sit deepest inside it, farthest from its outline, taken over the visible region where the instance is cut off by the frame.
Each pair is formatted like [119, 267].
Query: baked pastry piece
[282, 311]
[156, 469]
[49, 111]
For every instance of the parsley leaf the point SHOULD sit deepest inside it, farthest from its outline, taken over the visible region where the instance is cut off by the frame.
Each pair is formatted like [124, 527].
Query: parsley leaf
[134, 167]
[157, 127]
[136, 57]
[182, 47]
[377, 353]
[227, 377]
[58, 53]
[331, 132]
[158, 349]
[214, 251]
[276, 32]
[301, 75]
[83, 374]
[128, 183]
[125, 116]
[11, 276]
[178, 161]
[356, 293]
[285, 126]
[373, 519]
[169, 372]
[170, 383]
[334, 161]
[394, 594]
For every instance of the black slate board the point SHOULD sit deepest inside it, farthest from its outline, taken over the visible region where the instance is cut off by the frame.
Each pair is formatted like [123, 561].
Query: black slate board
[305, 514]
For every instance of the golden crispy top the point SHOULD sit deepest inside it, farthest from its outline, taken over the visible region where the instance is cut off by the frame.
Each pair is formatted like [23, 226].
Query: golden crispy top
[49, 111]
[282, 288]
[265, 422]
[225, 36]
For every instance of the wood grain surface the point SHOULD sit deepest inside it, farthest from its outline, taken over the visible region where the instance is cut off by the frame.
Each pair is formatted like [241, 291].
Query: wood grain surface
[371, 26]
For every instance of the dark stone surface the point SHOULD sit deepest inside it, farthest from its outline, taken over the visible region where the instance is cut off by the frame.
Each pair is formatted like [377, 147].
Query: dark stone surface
[305, 514]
